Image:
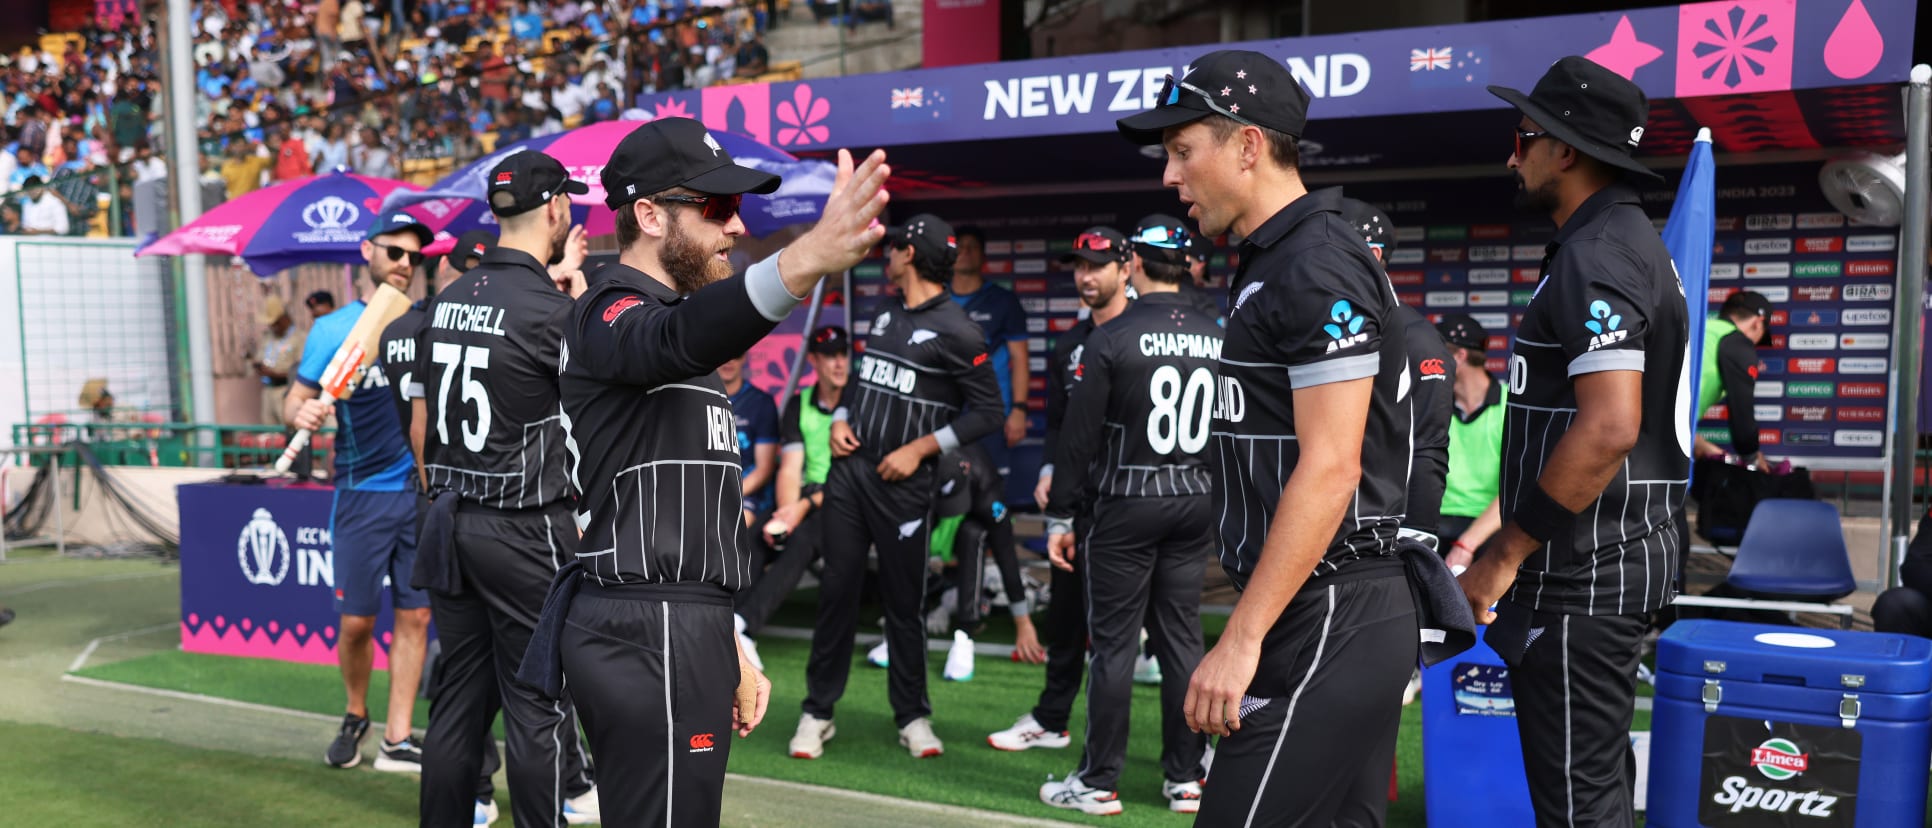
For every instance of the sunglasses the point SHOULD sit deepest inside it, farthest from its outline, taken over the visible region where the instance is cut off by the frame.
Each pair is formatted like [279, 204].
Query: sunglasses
[396, 254]
[719, 208]
[1167, 238]
[1093, 241]
[1529, 135]
[1171, 96]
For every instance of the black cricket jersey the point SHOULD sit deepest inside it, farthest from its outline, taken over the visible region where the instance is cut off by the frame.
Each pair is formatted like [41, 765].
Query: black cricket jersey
[1066, 351]
[922, 370]
[1141, 407]
[486, 358]
[1432, 378]
[1610, 300]
[1311, 307]
[397, 358]
[1737, 371]
[652, 440]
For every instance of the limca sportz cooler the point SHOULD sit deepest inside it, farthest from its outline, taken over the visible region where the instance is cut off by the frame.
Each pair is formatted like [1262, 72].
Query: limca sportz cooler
[1757, 725]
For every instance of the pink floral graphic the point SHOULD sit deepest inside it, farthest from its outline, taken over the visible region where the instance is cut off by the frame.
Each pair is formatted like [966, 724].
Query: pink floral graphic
[803, 118]
[673, 108]
[1736, 47]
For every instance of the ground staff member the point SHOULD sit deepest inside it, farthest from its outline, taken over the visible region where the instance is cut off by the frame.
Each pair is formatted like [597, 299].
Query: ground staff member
[1135, 439]
[1596, 448]
[640, 623]
[805, 458]
[924, 388]
[1729, 371]
[493, 453]
[1103, 293]
[1469, 510]
[1310, 417]
[373, 517]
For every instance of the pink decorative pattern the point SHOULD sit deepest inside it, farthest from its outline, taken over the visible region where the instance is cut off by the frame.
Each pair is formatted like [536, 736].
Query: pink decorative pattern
[744, 109]
[804, 118]
[1735, 47]
[247, 640]
[1855, 45]
[1624, 54]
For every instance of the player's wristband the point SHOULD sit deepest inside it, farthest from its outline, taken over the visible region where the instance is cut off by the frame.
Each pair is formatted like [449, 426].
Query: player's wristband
[841, 414]
[1541, 517]
[1059, 526]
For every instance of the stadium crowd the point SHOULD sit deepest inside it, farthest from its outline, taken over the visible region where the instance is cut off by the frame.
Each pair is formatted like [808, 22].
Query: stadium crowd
[284, 89]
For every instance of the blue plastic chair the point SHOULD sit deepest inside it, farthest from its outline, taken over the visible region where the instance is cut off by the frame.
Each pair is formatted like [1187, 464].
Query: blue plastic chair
[1793, 550]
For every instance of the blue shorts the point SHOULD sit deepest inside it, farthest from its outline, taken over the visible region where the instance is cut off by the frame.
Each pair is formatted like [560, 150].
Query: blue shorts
[374, 535]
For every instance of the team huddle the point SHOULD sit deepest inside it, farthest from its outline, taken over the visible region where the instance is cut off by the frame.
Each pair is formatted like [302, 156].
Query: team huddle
[596, 542]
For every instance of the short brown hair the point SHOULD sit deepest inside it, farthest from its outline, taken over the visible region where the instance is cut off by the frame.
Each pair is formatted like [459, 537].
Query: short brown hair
[628, 230]
[1285, 148]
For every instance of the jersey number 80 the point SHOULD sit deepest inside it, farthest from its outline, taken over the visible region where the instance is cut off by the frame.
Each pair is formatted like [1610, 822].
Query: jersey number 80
[1182, 411]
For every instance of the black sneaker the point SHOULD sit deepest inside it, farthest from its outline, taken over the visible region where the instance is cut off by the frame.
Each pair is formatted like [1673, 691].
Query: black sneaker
[346, 750]
[400, 757]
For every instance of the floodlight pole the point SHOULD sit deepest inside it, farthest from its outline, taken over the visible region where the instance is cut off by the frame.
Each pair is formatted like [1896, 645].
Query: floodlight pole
[1908, 313]
[184, 156]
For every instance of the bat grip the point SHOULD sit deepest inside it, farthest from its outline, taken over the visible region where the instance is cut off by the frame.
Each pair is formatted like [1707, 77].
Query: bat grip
[295, 445]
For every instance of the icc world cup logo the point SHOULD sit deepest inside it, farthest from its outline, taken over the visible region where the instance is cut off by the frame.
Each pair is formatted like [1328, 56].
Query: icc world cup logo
[330, 213]
[263, 550]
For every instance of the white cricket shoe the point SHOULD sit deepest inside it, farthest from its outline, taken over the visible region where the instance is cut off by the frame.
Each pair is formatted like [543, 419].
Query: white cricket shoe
[1415, 686]
[1027, 733]
[959, 659]
[879, 656]
[583, 810]
[1074, 795]
[808, 741]
[1182, 797]
[745, 643]
[918, 739]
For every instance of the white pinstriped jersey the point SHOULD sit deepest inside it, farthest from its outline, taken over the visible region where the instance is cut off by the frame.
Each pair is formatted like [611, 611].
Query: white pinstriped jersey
[920, 371]
[1610, 300]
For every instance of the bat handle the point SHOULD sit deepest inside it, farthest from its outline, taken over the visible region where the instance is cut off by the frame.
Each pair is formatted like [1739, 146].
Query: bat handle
[295, 445]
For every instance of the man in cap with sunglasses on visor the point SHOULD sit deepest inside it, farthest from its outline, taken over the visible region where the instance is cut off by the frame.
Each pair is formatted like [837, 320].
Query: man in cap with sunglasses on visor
[1596, 447]
[492, 452]
[652, 448]
[1134, 443]
[922, 386]
[374, 508]
[1310, 456]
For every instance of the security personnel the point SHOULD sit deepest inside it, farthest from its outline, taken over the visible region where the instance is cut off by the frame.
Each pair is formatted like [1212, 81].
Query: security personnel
[652, 449]
[1469, 510]
[492, 451]
[1730, 370]
[924, 388]
[1432, 375]
[1310, 412]
[1596, 456]
[1134, 444]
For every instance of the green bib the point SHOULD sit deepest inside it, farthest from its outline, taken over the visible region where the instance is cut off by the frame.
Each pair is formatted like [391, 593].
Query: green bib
[1475, 460]
[815, 427]
[1710, 386]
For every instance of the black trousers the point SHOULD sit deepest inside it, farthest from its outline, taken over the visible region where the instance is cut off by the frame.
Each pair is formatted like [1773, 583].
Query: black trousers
[1065, 631]
[507, 563]
[863, 511]
[654, 681]
[1903, 610]
[1318, 726]
[1145, 561]
[1576, 690]
[776, 573]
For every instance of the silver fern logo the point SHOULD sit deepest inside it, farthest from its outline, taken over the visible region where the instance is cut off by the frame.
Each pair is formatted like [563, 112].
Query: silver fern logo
[263, 550]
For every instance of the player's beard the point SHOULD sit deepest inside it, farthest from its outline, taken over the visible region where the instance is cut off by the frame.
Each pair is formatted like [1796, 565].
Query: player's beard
[1540, 201]
[691, 266]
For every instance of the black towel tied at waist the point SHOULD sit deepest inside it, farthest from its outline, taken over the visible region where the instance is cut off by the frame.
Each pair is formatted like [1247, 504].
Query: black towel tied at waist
[436, 566]
[542, 667]
[1441, 612]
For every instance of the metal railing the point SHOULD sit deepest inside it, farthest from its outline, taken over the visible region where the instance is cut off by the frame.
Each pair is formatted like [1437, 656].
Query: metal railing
[170, 444]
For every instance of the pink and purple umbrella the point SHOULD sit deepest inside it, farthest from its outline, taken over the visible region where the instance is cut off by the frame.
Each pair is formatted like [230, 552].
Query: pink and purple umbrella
[316, 219]
[455, 205]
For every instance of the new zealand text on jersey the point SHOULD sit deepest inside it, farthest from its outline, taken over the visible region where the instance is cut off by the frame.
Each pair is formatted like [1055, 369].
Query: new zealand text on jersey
[456, 316]
[887, 375]
[721, 428]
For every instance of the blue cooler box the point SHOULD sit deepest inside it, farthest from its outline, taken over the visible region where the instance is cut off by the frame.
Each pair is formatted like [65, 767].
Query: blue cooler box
[1472, 770]
[1756, 725]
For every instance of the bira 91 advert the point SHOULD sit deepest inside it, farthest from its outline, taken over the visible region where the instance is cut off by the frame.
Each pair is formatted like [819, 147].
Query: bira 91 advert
[1762, 773]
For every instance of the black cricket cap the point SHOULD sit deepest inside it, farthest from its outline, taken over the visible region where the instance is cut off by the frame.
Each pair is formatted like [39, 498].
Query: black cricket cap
[1249, 87]
[677, 152]
[1463, 332]
[1162, 238]
[1749, 303]
[1099, 245]
[830, 340]
[1372, 224]
[526, 180]
[1589, 107]
[471, 245]
[1201, 249]
[929, 236]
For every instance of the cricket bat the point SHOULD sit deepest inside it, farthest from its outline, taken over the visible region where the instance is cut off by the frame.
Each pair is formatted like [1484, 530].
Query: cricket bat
[358, 351]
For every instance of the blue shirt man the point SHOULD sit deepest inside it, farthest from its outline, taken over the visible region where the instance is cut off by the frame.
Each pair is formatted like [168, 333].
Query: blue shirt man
[757, 416]
[999, 314]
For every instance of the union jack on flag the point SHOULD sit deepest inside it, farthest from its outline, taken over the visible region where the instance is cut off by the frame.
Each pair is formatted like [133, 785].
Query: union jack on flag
[909, 98]
[1429, 60]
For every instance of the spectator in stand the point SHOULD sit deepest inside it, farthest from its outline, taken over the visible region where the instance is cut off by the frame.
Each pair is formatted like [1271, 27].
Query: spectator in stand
[527, 25]
[147, 165]
[328, 20]
[371, 157]
[320, 303]
[350, 27]
[244, 169]
[752, 59]
[9, 218]
[291, 156]
[42, 213]
[128, 119]
[27, 166]
[333, 152]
